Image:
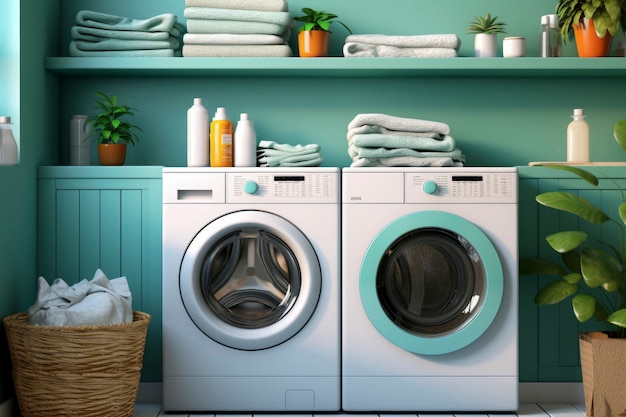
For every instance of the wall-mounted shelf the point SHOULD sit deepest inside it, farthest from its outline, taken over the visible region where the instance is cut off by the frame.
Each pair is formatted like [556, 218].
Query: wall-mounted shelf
[338, 67]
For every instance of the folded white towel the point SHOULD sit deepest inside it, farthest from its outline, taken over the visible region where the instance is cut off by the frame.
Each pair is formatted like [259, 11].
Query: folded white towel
[96, 302]
[357, 152]
[266, 145]
[361, 50]
[75, 51]
[231, 39]
[127, 45]
[236, 27]
[397, 123]
[192, 51]
[414, 41]
[265, 5]
[361, 130]
[375, 140]
[161, 23]
[278, 18]
[83, 33]
[405, 161]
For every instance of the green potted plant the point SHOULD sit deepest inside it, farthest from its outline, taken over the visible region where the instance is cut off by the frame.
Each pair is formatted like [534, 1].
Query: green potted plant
[592, 276]
[593, 22]
[486, 28]
[112, 132]
[314, 34]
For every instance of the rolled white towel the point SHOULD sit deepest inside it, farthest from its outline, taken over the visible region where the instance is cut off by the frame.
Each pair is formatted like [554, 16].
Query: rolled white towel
[361, 50]
[398, 123]
[231, 39]
[412, 41]
[264, 5]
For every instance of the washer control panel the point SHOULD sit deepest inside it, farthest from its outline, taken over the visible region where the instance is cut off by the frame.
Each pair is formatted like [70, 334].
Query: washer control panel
[460, 187]
[282, 187]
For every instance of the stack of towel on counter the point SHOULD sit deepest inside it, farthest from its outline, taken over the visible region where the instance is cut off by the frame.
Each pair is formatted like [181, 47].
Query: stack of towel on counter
[417, 46]
[272, 154]
[237, 28]
[100, 34]
[376, 140]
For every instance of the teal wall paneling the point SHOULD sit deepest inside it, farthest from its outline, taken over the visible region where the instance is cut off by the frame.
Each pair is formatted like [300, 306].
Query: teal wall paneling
[102, 220]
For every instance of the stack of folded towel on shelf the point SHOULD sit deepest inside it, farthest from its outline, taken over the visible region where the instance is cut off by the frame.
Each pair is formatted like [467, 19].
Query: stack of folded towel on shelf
[415, 46]
[237, 28]
[272, 154]
[376, 140]
[100, 34]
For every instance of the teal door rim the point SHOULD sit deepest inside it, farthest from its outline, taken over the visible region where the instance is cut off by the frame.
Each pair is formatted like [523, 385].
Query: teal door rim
[467, 334]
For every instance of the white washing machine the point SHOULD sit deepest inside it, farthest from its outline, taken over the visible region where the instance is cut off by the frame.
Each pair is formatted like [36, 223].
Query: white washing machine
[251, 289]
[429, 292]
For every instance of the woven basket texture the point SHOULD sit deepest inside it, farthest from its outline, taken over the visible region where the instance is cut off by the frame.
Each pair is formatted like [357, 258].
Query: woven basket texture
[86, 371]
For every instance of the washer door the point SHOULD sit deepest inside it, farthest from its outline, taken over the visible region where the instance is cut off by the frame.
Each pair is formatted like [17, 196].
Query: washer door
[250, 280]
[431, 282]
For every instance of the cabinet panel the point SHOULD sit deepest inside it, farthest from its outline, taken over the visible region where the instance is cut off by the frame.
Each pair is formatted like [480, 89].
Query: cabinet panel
[556, 345]
[90, 219]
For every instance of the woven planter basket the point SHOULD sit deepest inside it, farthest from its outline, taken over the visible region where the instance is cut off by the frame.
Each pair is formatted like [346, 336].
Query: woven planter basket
[85, 371]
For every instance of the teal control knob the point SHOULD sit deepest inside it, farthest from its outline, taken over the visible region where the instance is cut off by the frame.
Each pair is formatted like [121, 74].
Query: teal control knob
[429, 187]
[250, 187]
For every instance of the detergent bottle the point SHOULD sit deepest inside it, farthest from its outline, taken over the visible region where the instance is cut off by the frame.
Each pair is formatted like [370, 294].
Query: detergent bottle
[221, 140]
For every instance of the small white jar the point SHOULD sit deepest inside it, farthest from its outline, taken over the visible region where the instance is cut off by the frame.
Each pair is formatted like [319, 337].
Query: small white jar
[514, 47]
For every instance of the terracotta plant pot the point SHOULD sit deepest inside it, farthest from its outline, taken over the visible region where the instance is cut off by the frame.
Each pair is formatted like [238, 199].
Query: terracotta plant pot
[588, 43]
[313, 43]
[112, 153]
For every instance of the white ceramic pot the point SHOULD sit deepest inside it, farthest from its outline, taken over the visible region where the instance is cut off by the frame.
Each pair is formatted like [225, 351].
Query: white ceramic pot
[485, 45]
[514, 47]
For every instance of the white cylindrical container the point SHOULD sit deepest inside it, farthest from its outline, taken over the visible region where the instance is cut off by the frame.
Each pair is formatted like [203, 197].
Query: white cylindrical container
[514, 47]
[578, 138]
[197, 135]
[79, 146]
[8, 145]
[245, 142]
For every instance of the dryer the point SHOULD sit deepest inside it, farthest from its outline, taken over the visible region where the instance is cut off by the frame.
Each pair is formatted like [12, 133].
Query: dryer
[251, 289]
[429, 289]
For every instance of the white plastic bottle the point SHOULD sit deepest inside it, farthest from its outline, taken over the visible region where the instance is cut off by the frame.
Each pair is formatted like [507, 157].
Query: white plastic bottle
[245, 142]
[197, 135]
[578, 138]
[8, 145]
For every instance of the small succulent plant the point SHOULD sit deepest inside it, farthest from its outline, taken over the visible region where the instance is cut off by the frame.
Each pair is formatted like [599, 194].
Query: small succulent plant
[486, 24]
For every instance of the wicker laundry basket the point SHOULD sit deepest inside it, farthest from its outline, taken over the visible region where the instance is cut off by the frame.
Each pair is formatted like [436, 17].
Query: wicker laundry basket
[76, 371]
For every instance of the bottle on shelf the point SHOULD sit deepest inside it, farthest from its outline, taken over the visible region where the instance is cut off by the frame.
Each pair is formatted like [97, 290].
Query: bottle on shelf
[544, 37]
[197, 135]
[79, 146]
[578, 138]
[221, 140]
[8, 145]
[245, 142]
[556, 40]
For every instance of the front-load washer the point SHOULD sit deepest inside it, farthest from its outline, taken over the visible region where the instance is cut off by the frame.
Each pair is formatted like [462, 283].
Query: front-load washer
[251, 289]
[429, 292]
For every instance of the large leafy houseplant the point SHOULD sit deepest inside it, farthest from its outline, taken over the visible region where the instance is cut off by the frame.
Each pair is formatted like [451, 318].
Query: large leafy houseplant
[108, 125]
[606, 14]
[593, 276]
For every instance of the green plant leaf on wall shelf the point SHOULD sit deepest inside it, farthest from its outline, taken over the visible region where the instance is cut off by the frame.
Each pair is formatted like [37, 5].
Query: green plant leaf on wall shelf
[574, 204]
[563, 242]
[618, 318]
[584, 306]
[532, 266]
[555, 292]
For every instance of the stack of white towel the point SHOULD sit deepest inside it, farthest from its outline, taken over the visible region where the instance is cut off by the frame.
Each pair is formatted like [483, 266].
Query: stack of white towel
[272, 154]
[100, 34]
[376, 139]
[416, 46]
[237, 28]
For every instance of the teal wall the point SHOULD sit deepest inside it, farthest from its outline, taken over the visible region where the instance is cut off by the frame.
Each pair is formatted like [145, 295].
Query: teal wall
[496, 121]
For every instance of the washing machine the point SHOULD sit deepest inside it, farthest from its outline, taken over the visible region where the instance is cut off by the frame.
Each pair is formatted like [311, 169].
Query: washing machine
[251, 289]
[429, 292]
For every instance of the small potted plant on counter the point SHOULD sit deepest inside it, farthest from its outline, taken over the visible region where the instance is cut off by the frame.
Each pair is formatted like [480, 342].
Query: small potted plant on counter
[314, 34]
[486, 30]
[592, 276]
[112, 132]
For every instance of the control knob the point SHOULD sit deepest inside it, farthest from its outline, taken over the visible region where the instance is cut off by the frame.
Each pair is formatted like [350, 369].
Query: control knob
[250, 187]
[429, 187]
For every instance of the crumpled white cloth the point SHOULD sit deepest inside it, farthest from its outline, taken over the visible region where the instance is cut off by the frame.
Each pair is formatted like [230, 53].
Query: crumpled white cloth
[97, 302]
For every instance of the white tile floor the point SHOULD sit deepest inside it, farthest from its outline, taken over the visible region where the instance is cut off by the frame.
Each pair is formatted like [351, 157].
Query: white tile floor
[525, 410]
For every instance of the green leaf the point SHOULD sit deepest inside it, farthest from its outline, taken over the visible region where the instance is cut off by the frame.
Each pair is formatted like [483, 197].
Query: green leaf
[555, 292]
[618, 318]
[571, 260]
[619, 132]
[622, 212]
[564, 201]
[598, 267]
[573, 278]
[585, 175]
[563, 242]
[584, 306]
[532, 266]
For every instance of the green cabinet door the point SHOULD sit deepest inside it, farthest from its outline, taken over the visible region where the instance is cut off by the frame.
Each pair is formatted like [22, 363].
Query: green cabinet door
[107, 218]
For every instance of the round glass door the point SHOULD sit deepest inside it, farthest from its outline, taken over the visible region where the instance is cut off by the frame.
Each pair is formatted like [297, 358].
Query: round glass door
[250, 280]
[431, 282]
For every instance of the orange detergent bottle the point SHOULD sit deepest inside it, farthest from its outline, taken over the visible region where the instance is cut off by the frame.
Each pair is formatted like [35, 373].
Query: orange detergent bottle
[221, 140]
